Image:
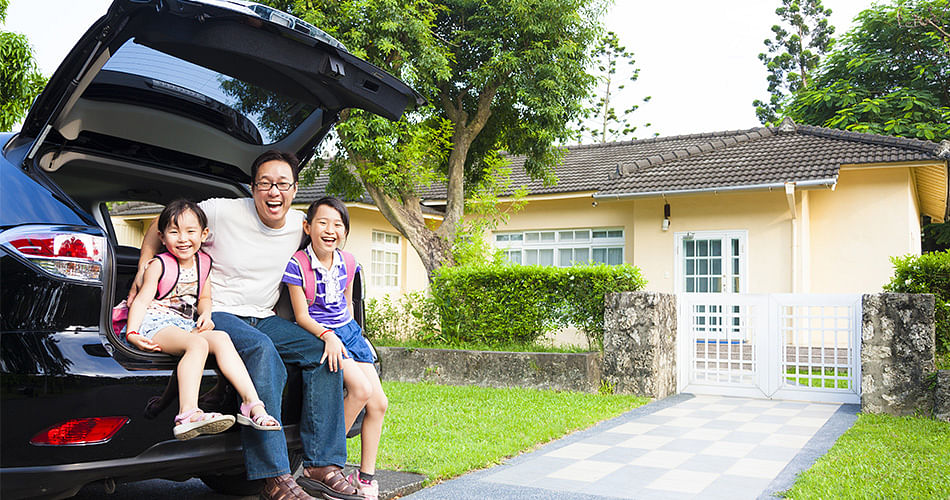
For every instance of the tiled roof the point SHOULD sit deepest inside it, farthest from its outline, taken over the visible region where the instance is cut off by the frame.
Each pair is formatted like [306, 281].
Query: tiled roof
[765, 156]
[733, 159]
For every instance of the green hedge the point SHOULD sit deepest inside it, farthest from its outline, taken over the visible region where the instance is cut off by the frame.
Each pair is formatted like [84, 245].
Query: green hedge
[927, 273]
[506, 304]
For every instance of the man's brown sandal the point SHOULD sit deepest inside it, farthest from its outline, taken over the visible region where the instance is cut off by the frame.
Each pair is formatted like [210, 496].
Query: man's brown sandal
[328, 482]
[283, 488]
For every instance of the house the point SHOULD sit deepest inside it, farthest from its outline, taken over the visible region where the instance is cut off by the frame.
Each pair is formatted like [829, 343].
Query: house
[793, 208]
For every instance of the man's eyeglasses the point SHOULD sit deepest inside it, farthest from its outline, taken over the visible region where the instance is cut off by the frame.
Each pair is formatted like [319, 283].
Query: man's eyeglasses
[266, 185]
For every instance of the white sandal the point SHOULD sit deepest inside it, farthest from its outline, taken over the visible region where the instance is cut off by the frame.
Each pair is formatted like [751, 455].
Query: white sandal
[210, 423]
[245, 418]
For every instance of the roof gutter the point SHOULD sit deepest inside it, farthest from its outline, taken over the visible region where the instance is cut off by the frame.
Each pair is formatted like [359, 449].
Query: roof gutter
[810, 184]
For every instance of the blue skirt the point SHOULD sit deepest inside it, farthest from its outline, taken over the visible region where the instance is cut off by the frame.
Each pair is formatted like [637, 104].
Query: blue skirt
[356, 345]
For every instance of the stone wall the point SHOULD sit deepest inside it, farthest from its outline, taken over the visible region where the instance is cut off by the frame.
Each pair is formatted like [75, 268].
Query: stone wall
[942, 396]
[640, 343]
[897, 353]
[538, 370]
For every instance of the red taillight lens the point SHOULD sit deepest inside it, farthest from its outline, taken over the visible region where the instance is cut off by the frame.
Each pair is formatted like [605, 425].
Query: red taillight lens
[58, 251]
[79, 431]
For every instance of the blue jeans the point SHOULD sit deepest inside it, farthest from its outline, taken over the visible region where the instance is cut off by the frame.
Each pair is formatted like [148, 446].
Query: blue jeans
[265, 345]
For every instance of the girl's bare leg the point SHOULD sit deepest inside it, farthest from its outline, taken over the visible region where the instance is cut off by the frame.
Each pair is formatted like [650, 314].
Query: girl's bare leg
[373, 420]
[231, 365]
[194, 352]
[358, 391]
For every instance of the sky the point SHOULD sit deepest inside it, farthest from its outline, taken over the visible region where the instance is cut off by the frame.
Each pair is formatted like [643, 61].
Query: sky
[697, 58]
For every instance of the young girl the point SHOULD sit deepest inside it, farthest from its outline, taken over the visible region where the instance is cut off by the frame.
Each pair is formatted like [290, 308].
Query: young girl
[161, 319]
[319, 278]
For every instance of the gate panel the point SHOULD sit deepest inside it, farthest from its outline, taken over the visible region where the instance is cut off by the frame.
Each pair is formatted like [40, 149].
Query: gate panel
[783, 346]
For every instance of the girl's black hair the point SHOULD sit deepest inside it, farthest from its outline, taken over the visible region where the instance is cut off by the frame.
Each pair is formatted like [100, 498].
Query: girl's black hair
[173, 211]
[334, 203]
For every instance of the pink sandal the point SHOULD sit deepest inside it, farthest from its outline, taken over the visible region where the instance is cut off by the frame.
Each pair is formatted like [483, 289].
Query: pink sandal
[209, 423]
[257, 422]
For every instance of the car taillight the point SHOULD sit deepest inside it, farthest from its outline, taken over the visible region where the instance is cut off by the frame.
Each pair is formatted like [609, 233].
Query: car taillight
[80, 431]
[58, 251]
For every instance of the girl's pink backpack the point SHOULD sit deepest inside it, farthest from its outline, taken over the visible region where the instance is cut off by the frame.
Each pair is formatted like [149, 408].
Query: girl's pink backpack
[166, 284]
[310, 279]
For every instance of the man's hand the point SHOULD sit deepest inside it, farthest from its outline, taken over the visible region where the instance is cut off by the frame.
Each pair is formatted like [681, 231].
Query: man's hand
[332, 351]
[143, 343]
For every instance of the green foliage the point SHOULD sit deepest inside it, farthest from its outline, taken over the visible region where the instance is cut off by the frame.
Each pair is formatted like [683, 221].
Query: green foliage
[498, 74]
[444, 431]
[793, 55]
[519, 304]
[20, 81]
[889, 75]
[935, 237]
[600, 120]
[927, 273]
[412, 315]
[882, 457]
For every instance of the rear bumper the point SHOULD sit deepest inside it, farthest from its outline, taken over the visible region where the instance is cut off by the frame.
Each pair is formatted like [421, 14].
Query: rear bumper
[175, 460]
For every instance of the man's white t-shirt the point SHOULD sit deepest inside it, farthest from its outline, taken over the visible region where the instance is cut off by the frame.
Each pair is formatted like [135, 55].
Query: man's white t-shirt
[249, 257]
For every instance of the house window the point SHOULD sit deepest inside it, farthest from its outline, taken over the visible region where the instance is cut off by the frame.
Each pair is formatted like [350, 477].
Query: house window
[385, 260]
[562, 247]
[711, 262]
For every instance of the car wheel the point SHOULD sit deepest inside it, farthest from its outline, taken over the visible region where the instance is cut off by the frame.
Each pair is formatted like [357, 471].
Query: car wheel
[238, 484]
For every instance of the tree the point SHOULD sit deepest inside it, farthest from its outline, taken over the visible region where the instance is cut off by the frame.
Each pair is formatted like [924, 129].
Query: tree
[600, 120]
[499, 75]
[890, 75]
[20, 81]
[794, 53]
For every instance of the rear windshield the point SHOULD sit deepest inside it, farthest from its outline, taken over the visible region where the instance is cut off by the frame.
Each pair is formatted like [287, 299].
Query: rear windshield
[139, 74]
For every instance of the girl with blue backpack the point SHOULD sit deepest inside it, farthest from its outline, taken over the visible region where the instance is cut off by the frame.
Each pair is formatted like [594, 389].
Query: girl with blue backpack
[162, 318]
[319, 278]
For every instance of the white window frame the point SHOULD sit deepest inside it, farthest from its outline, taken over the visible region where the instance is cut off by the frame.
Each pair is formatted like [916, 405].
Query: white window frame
[552, 242]
[726, 236]
[381, 248]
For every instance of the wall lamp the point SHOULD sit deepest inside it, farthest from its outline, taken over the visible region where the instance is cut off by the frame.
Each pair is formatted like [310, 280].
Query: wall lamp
[666, 217]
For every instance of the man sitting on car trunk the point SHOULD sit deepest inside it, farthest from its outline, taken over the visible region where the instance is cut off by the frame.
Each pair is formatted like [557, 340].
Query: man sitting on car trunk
[251, 241]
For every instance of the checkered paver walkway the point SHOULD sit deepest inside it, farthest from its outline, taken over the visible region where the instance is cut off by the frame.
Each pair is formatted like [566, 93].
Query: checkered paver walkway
[682, 447]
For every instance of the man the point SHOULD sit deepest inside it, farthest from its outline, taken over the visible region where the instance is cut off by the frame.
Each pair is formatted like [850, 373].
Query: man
[251, 241]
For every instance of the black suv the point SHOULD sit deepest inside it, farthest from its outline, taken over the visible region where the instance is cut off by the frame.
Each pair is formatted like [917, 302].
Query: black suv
[160, 99]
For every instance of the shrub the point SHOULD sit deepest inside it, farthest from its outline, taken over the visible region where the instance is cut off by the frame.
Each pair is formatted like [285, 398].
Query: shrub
[927, 273]
[504, 304]
[410, 316]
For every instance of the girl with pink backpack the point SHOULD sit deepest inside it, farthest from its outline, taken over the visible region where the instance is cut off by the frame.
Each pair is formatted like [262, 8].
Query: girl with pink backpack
[161, 318]
[319, 278]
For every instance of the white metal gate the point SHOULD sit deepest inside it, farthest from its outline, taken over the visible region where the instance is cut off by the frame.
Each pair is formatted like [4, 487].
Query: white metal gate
[781, 346]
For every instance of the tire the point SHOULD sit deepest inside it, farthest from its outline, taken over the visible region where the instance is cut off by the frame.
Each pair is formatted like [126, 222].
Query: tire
[238, 484]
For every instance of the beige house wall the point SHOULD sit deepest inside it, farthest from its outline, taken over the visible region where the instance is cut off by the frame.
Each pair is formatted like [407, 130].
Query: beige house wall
[364, 219]
[838, 242]
[870, 216]
[764, 215]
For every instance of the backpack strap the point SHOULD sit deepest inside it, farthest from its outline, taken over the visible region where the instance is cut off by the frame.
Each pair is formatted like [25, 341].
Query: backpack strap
[204, 269]
[169, 278]
[307, 274]
[349, 260]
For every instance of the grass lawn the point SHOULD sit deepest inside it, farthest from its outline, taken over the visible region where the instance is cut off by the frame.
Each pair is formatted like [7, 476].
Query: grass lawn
[883, 457]
[818, 377]
[444, 431]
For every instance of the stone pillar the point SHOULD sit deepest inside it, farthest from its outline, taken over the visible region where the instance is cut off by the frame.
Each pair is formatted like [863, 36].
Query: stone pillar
[942, 396]
[897, 353]
[640, 343]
